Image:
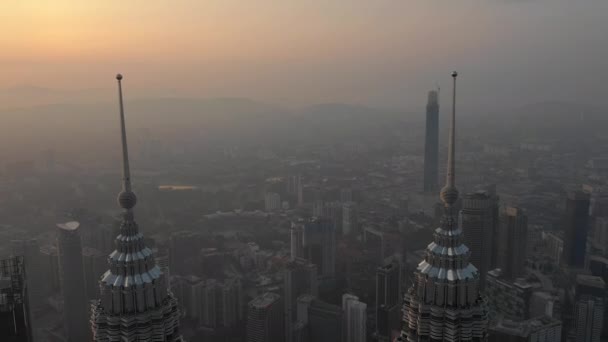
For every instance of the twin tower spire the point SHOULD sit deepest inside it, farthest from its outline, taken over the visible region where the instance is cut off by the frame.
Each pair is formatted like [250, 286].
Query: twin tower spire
[135, 303]
[449, 193]
[126, 198]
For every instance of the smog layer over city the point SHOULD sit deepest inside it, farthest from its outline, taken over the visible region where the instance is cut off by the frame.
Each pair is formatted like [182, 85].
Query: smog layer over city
[304, 171]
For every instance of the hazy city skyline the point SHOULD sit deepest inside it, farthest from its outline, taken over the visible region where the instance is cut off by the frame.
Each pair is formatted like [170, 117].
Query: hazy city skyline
[290, 186]
[293, 53]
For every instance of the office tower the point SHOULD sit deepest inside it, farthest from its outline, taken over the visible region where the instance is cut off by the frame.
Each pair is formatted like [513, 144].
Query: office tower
[375, 243]
[431, 144]
[575, 229]
[50, 259]
[388, 298]
[37, 273]
[541, 329]
[512, 246]
[272, 201]
[477, 217]
[73, 288]
[444, 303]
[265, 318]
[315, 241]
[317, 320]
[355, 319]
[300, 278]
[588, 285]
[589, 316]
[600, 235]
[350, 223]
[135, 304]
[509, 298]
[15, 321]
[94, 263]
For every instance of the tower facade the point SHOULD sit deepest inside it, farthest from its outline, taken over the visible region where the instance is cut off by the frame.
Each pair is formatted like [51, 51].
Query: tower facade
[315, 241]
[477, 219]
[576, 221]
[431, 142]
[135, 304]
[355, 318]
[350, 224]
[589, 315]
[15, 318]
[444, 303]
[512, 249]
[388, 290]
[73, 288]
[37, 273]
[265, 318]
[300, 278]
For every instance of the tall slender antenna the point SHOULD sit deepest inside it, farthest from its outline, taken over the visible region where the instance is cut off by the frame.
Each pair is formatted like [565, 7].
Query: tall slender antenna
[126, 198]
[449, 193]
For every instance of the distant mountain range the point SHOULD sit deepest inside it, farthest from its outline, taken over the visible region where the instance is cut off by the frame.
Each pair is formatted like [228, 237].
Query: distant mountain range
[246, 121]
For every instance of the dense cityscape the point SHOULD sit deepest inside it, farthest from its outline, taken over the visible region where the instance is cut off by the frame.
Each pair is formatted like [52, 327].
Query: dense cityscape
[326, 243]
[304, 171]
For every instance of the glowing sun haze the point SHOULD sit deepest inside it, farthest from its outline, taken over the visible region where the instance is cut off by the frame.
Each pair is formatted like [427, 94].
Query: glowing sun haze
[296, 52]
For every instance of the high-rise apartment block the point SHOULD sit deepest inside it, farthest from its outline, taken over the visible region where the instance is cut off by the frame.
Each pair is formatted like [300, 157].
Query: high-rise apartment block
[355, 319]
[589, 316]
[265, 318]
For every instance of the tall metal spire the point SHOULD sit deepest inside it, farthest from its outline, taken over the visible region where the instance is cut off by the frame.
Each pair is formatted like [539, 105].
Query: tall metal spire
[449, 193]
[135, 303]
[126, 198]
[444, 302]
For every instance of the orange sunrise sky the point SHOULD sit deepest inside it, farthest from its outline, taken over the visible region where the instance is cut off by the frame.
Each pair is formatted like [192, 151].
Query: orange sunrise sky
[299, 52]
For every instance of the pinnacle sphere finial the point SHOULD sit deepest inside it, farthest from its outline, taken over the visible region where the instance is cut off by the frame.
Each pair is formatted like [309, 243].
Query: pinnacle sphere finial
[449, 195]
[454, 73]
[119, 77]
[127, 199]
